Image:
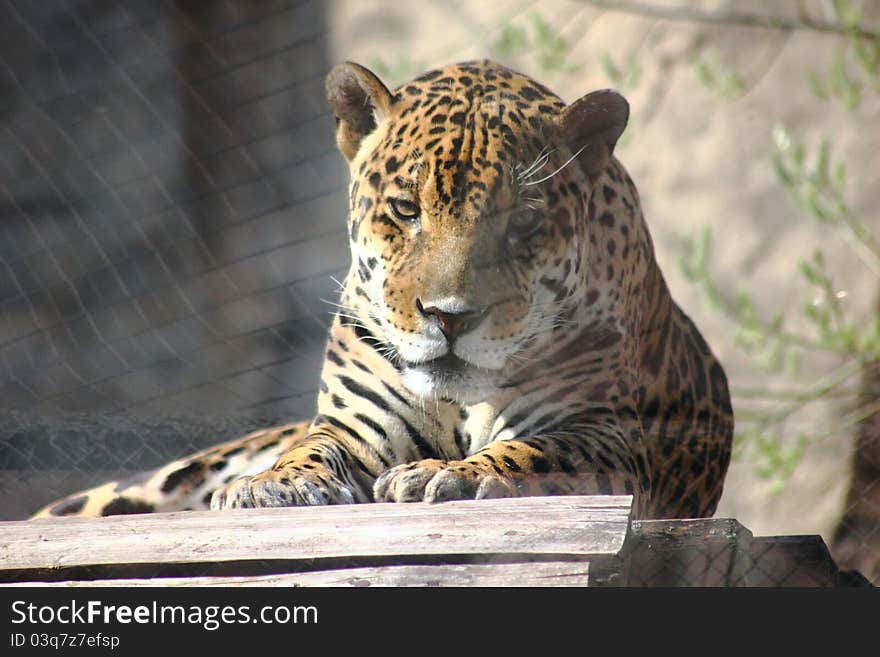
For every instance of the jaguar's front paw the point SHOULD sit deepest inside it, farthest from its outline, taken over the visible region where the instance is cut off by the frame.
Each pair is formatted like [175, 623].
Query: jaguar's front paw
[275, 488]
[440, 481]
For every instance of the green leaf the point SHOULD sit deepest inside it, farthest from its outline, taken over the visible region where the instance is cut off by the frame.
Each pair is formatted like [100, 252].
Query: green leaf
[612, 72]
[867, 54]
[705, 75]
[838, 177]
[817, 86]
[634, 72]
[543, 30]
[781, 137]
[776, 324]
[810, 311]
[781, 171]
[853, 95]
[848, 337]
[704, 245]
[793, 362]
[797, 156]
[870, 343]
[732, 84]
[838, 73]
[777, 486]
[512, 41]
[846, 13]
[823, 159]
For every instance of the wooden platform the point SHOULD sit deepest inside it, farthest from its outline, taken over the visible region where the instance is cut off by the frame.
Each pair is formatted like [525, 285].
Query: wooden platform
[539, 541]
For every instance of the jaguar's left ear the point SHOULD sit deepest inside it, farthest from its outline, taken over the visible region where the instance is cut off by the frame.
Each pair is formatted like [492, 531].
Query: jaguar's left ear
[360, 102]
[591, 127]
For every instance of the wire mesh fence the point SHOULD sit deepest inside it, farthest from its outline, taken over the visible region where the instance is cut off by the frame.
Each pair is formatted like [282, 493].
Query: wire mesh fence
[172, 219]
[172, 212]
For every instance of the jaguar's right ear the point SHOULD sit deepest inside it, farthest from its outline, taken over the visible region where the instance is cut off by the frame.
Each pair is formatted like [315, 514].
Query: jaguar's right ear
[360, 102]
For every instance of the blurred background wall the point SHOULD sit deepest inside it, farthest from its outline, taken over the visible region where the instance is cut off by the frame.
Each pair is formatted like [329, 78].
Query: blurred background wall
[172, 210]
[172, 213]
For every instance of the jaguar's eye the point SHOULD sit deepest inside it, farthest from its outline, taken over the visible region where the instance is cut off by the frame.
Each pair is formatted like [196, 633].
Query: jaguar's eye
[525, 221]
[403, 210]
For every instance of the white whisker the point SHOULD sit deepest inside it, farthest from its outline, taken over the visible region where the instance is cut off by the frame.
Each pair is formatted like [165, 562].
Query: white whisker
[339, 305]
[567, 162]
[537, 165]
[353, 318]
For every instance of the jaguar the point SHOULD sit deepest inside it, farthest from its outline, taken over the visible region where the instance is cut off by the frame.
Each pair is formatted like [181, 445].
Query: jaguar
[504, 328]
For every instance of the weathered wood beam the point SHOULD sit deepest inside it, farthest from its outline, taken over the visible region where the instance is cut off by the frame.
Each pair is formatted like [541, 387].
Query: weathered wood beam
[544, 574]
[578, 526]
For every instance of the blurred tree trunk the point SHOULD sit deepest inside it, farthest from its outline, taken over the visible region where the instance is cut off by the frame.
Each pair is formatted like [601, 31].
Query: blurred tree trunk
[856, 541]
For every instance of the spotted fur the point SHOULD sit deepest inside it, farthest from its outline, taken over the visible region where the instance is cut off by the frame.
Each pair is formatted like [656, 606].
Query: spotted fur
[504, 328]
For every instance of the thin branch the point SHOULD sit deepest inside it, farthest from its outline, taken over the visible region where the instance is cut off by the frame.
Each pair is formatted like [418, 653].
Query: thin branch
[690, 14]
[866, 249]
[775, 395]
[846, 422]
[840, 376]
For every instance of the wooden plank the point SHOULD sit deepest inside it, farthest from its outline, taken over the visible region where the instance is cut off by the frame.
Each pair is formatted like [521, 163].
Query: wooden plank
[545, 574]
[702, 552]
[577, 525]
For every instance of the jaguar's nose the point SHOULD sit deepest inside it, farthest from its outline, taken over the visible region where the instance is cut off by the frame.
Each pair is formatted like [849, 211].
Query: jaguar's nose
[452, 320]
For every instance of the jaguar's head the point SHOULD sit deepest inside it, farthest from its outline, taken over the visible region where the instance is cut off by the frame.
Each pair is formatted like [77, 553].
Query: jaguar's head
[469, 188]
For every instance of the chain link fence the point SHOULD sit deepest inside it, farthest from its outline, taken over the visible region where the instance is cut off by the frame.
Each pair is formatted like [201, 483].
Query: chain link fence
[172, 210]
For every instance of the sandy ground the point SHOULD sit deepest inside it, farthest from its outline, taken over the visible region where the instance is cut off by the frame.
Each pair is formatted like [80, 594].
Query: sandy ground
[699, 159]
